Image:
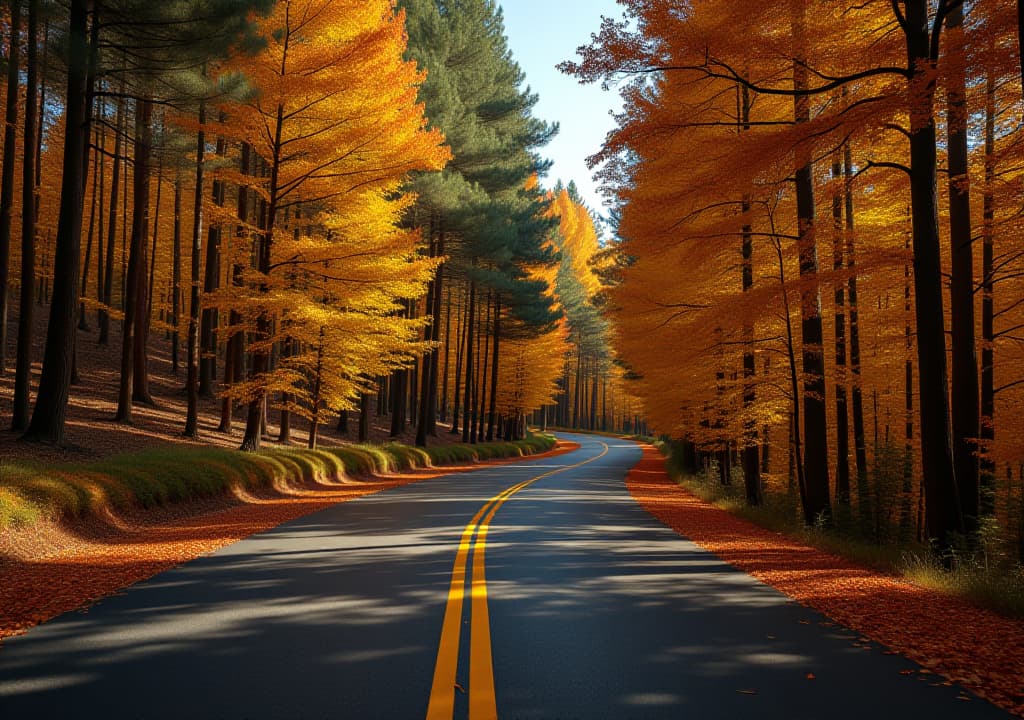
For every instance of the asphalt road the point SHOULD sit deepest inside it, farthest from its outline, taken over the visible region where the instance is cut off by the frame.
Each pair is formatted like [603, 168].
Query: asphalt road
[593, 610]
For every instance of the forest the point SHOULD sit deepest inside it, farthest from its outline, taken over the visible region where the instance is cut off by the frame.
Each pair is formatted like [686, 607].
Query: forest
[818, 282]
[310, 208]
[808, 277]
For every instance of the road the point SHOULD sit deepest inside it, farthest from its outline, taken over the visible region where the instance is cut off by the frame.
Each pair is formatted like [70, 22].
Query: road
[572, 602]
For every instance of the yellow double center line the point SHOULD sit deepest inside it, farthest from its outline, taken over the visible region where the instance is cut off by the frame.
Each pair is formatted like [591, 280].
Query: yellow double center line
[482, 704]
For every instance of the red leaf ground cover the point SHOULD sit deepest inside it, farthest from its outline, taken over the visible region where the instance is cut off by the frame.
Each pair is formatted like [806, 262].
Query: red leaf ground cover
[976, 648]
[51, 569]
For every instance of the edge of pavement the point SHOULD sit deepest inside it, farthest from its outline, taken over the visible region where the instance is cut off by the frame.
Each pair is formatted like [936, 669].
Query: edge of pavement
[982, 650]
[56, 568]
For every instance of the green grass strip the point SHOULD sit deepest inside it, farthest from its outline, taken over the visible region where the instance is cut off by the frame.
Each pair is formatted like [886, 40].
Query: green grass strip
[31, 492]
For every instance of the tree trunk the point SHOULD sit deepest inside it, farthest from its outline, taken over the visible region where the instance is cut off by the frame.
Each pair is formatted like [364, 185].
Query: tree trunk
[842, 411]
[815, 418]
[82, 322]
[130, 296]
[7, 175]
[261, 357]
[751, 454]
[23, 363]
[102, 210]
[1020, 45]
[234, 360]
[467, 421]
[463, 330]
[364, 418]
[942, 507]
[478, 432]
[856, 391]
[447, 356]
[193, 349]
[151, 285]
[398, 391]
[964, 406]
[175, 318]
[140, 228]
[493, 409]
[428, 404]
[906, 508]
[796, 462]
[428, 359]
[318, 374]
[987, 479]
[115, 186]
[51, 403]
[211, 281]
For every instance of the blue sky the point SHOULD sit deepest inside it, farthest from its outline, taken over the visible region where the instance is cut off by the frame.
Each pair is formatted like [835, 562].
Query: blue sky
[542, 34]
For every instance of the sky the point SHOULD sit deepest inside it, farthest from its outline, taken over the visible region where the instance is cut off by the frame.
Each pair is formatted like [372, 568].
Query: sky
[541, 34]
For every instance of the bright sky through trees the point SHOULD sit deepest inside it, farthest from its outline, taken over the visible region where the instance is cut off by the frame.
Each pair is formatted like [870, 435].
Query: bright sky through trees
[581, 110]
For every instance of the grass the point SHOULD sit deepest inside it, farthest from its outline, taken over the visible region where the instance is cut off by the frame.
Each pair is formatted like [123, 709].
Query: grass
[987, 577]
[157, 477]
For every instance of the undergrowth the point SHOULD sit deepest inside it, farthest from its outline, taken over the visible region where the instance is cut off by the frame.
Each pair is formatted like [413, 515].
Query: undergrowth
[30, 492]
[986, 575]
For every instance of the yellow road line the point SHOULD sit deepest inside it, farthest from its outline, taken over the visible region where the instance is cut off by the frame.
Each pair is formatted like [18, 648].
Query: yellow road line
[482, 702]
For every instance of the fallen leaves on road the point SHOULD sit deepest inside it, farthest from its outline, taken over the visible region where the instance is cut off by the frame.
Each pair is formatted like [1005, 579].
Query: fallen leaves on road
[47, 570]
[979, 649]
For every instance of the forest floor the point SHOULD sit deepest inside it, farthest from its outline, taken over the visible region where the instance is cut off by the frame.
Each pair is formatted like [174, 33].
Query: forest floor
[952, 640]
[91, 432]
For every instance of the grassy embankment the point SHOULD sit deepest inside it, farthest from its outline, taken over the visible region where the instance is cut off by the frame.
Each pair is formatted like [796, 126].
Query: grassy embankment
[988, 575]
[157, 477]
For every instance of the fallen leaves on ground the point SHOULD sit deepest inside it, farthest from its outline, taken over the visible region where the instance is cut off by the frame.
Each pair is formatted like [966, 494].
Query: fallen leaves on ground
[977, 648]
[47, 570]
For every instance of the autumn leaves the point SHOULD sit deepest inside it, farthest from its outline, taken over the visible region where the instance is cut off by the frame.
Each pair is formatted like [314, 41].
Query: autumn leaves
[784, 173]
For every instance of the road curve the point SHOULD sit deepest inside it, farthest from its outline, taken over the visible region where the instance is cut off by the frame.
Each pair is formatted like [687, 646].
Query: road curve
[583, 607]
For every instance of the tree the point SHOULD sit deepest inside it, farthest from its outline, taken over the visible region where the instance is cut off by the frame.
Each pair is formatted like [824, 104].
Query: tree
[323, 147]
[47, 422]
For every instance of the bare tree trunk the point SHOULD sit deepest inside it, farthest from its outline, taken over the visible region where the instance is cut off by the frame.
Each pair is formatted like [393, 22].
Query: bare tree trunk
[856, 391]
[261, 357]
[115, 186]
[428, 403]
[815, 418]
[943, 517]
[987, 479]
[482, 391]
[234, 365]
[459, 354]
[467, 420]
[51, 403]
[906, 509]
[364, 417]
[964, 406]
[193, 349]
[447, 356]
[211, 281]
[842, 410]
[493, 410]
[175, 318]
[23, 363]
[82, 322]
[7, 174]
[151, 286]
